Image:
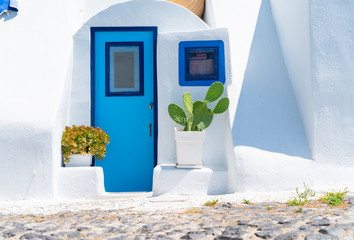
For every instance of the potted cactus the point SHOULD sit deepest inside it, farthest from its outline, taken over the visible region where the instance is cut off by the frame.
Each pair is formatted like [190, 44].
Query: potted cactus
[190, 138]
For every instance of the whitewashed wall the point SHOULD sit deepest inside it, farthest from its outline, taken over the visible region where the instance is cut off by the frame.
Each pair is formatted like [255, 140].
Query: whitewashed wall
[317, 41]
[332, 38]
[292, 19]
[35, 49]
[240, 18]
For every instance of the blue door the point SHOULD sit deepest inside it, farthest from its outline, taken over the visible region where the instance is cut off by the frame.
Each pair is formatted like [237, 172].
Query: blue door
[124, 104]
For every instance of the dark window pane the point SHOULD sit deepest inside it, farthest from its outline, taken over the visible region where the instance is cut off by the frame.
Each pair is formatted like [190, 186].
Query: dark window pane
[201, 63]
[124, 70]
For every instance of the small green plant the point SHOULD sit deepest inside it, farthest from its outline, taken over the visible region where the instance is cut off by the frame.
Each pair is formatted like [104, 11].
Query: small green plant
[334, 198]
[245, 201]
[270, 208]
[84, 140]
[294, 201]
[299, 210]
[200, 116]
[301, 198]
[211, 203]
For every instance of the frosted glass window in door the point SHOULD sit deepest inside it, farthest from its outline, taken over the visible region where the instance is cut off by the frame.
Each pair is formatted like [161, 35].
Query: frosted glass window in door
[124, 70]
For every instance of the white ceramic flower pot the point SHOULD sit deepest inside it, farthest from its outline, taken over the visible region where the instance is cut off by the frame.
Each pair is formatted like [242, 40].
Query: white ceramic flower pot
[78, 160]
[189, 148]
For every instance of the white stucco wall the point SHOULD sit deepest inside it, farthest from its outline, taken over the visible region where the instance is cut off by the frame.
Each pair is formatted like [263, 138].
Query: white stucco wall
[240, 18]
[317, 42]
[267, 114]
[34, 54]
[332, 38]
[292, 19]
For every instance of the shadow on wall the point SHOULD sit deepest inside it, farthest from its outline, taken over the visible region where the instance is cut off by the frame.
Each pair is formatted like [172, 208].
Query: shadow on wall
[267, 116]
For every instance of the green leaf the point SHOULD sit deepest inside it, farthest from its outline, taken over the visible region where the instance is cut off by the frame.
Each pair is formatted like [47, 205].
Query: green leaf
[188, 102]
[190, 123]
[221, 106]
[203, 116]
[177, 114]
[214, 92]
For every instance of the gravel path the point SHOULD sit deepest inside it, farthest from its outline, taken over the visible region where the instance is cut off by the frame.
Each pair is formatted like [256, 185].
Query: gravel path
[174, 218]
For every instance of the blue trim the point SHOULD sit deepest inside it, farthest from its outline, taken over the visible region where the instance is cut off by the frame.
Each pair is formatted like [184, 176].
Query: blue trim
[185, 47]
[12, 9]
[154, 31]
[141, 69]
[92, 72]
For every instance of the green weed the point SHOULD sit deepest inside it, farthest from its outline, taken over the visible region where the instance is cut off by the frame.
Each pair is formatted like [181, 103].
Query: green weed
[301, 198]
[245, 201]
[334, 198]
[299, 210]
[211, 203]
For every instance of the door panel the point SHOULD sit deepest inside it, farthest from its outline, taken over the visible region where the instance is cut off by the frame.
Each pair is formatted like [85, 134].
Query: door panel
[123, 101]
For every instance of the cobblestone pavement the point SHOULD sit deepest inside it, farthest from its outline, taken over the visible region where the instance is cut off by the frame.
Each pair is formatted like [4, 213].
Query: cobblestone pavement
[265, 220]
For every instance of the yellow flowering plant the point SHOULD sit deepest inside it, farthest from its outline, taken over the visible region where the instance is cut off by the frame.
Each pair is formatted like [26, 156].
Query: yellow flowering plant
[84, 140]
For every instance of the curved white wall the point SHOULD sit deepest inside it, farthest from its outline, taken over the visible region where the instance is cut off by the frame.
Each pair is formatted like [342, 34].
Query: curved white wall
[317, 41]
[35, 48]
[292, 19]
[240, 18]
[332, 36]
[267, 115]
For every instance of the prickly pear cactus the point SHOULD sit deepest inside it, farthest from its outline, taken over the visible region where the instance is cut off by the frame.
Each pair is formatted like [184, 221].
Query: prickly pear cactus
[214, 92]
[203, 116]
[221, 106]
[200, 115]
[177, 114]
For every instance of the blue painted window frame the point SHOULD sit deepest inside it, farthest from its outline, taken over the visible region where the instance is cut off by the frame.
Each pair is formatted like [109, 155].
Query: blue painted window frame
[140, 45]
[184, 49]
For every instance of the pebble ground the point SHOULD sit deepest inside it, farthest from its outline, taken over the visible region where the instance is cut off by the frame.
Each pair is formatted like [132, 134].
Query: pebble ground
[225, 220]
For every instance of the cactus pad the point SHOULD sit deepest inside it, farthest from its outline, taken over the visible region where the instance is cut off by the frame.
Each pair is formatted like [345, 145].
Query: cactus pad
[188, 102]
[203, 116]
[221, 106]
[177, 114]
[214, 92]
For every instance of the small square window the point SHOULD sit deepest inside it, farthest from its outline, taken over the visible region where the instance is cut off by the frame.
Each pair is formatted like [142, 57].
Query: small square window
[124, 68]
[201, 63]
